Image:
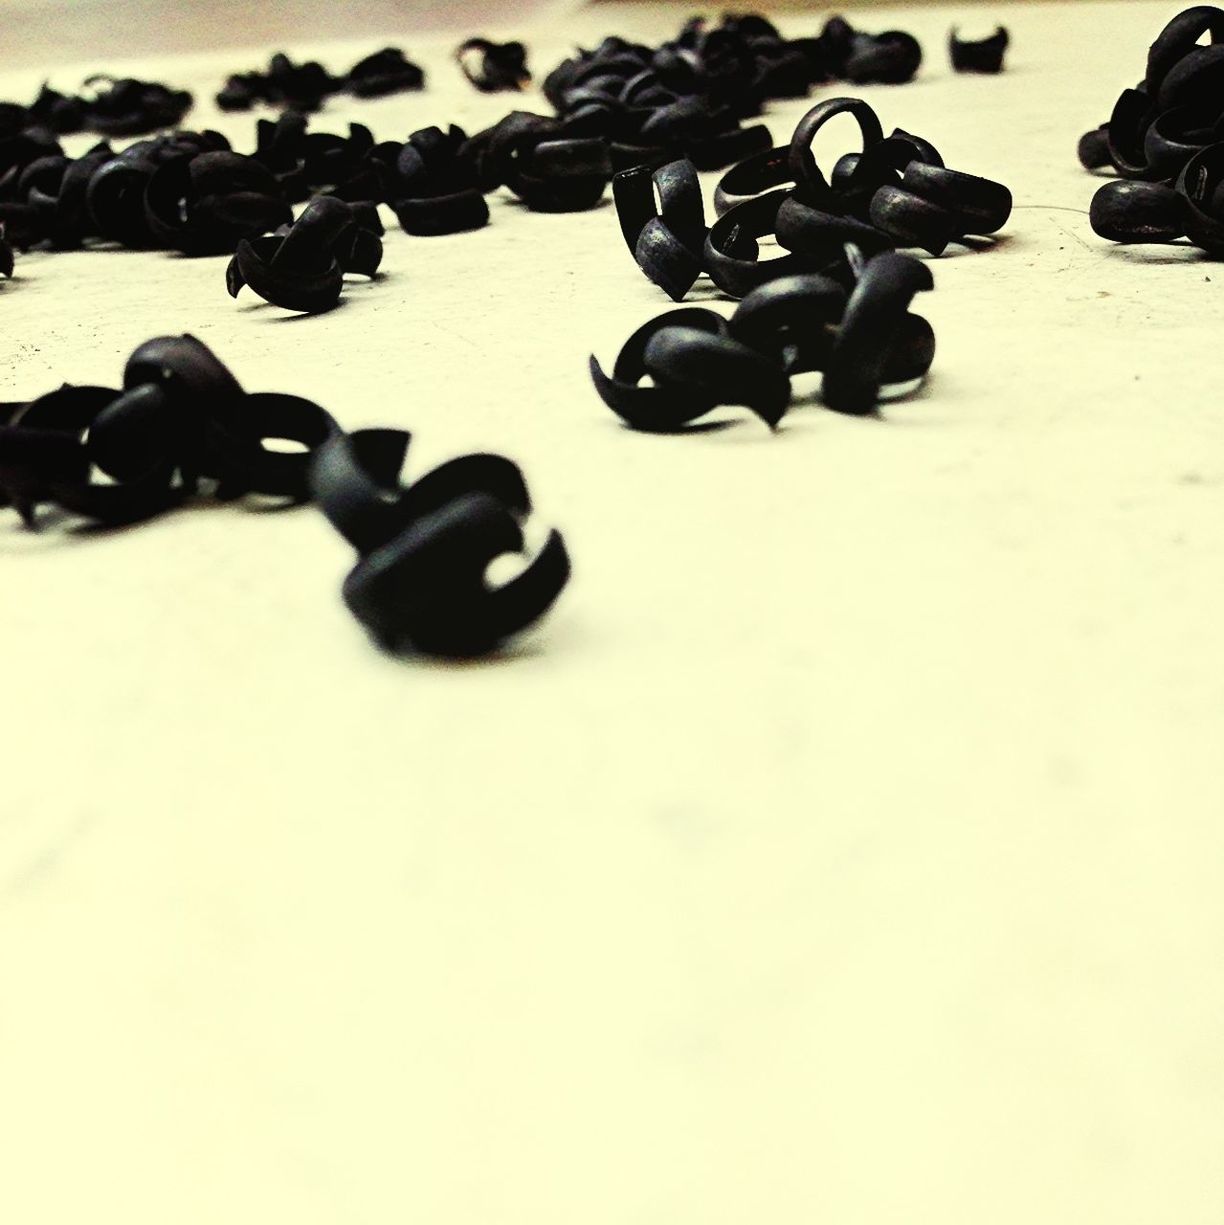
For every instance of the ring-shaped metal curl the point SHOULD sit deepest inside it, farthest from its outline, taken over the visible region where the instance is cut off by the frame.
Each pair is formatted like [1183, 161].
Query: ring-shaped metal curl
[667, 262]
[246, 465]
[561, 176]
[823, 235]
[1178, 38]
[198, 384]
[33, 462]
[425, 590]
[1195, 80]
[1199, 184]
[978, 55]
[655, 409]
[752, 176]
[1172, 139]
[720, 366]
[857, 177]
[796, 319]
[1126, 210]
[666, 236]
[59, 471]
[356, 481]
[139, 432]
[1128, 124]
[116, 505]
[70, 409]
[870, 328]
[309, 289]
[185, 366]
[633, 196]
[671, 193]
[478, 472]
[789, 320]
[912, 221]
[430, 216]
[980, 205]
[731, 248]
[803, 167]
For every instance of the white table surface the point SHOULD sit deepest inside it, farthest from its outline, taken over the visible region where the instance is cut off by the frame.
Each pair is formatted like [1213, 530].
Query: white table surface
[846, 847]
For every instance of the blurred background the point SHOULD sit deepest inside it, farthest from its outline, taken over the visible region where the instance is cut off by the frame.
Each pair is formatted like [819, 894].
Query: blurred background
[37, 33]
[46, 33]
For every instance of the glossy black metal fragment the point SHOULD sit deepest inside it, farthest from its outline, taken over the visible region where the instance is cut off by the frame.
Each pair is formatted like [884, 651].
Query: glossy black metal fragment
[301, 267]
[659, 409]
[204, 205]
[791, 320]
[795, 320]
[1175, 112]
[491, 66]
[721, 367]
[872, 327]
[753, 176]
[732, 251]
[420, 584]
[44, 458]
[934, 205]
[980, 55]
[813, 186]
[1201, 189]
[896, 191]
[695, 365]
[822, 235]
[561, 176]
[223, 429]
[115, 193]
[1134, 212]
[667, 237]
[435, 186]
[450, 214]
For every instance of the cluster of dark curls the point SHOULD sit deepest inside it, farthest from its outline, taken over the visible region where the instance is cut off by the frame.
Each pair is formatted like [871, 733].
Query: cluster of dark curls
[190, 192]
[1165, 139]
[687, 97]
[306, 86]
[895, 193]
[110, 106]
[182, 428]
[861, 336]
[302, 266]
[424, 547]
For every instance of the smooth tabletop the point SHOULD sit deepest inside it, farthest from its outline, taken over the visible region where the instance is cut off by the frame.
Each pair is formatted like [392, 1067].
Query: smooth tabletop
[845, 847]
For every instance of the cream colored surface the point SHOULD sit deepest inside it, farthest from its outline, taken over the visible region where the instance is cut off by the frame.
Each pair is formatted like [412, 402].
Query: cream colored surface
[845, 848]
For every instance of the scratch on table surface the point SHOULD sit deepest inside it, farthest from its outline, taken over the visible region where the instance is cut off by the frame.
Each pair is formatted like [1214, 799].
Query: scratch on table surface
[1082, 242]
[1055, 208]
[467, 340]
